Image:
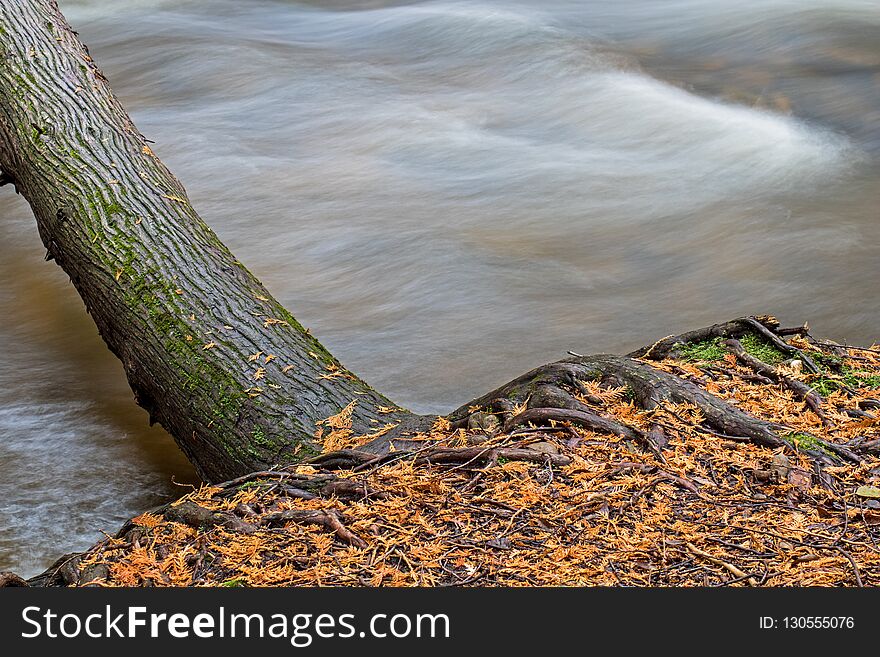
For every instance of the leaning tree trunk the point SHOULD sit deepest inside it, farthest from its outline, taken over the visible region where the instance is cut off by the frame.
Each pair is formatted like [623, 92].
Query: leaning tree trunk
[209, 353]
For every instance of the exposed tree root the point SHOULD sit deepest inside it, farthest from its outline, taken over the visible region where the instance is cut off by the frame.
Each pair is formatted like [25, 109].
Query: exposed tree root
[582, 417]
[647, 385]
[190, 513]
[531, 506]
[11, 580]
[331, 520]
[560, 392]
[765, 325]
[557, 392]
[243, 519]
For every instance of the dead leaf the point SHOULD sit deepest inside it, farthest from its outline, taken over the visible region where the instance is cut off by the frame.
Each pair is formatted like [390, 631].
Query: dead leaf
[868, 491]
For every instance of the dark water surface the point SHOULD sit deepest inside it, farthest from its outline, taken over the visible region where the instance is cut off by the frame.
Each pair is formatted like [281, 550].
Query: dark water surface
[449, 193]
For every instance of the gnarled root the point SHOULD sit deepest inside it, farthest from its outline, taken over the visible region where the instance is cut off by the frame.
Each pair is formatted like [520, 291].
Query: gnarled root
[765, 326]
[648, 386]
[557, 392]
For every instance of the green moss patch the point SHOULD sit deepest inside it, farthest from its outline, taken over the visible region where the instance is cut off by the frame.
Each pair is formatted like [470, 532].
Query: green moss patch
[848, 378]
[762, 349]
[707, 350]
[828, 361]
[805, 442]
[236, 583]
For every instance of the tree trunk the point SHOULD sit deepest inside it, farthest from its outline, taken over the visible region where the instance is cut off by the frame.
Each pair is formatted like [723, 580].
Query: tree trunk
[209, 353]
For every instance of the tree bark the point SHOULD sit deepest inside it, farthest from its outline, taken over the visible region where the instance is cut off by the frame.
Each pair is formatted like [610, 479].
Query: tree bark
[209, 353]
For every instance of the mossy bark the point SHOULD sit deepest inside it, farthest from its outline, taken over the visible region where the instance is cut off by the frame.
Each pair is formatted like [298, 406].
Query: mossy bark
[208, 351]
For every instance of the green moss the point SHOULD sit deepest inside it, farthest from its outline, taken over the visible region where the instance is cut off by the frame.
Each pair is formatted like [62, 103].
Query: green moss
[848, 378]
[237, 582]
[112, 208]
[762, 349]
[824, 386]
[805, 442]
[714, 350]
[707, 350]
[305, 452]
[856, 379]
[259, 437]
[225, 403]
[829, 361]
[837, 375]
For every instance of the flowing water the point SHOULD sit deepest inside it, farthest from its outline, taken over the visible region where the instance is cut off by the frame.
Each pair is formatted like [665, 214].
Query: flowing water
[449, 193]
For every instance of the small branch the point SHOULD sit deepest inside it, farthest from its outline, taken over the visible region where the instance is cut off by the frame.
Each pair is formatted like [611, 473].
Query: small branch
[830, 343]
[260, 474]
[794, 330]
[190, 513]
[329, 519]
[482, 454]
[853, 563]
[779, 343]
[342, 459]
[736, 572]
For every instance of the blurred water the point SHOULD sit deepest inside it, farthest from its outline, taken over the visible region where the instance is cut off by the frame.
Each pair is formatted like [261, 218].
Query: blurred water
[449, 193]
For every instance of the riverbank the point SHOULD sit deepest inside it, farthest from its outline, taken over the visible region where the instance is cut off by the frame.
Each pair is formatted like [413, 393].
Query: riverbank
[558, 505]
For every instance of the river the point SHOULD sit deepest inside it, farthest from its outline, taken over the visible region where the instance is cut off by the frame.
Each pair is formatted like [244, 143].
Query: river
[449, 193]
